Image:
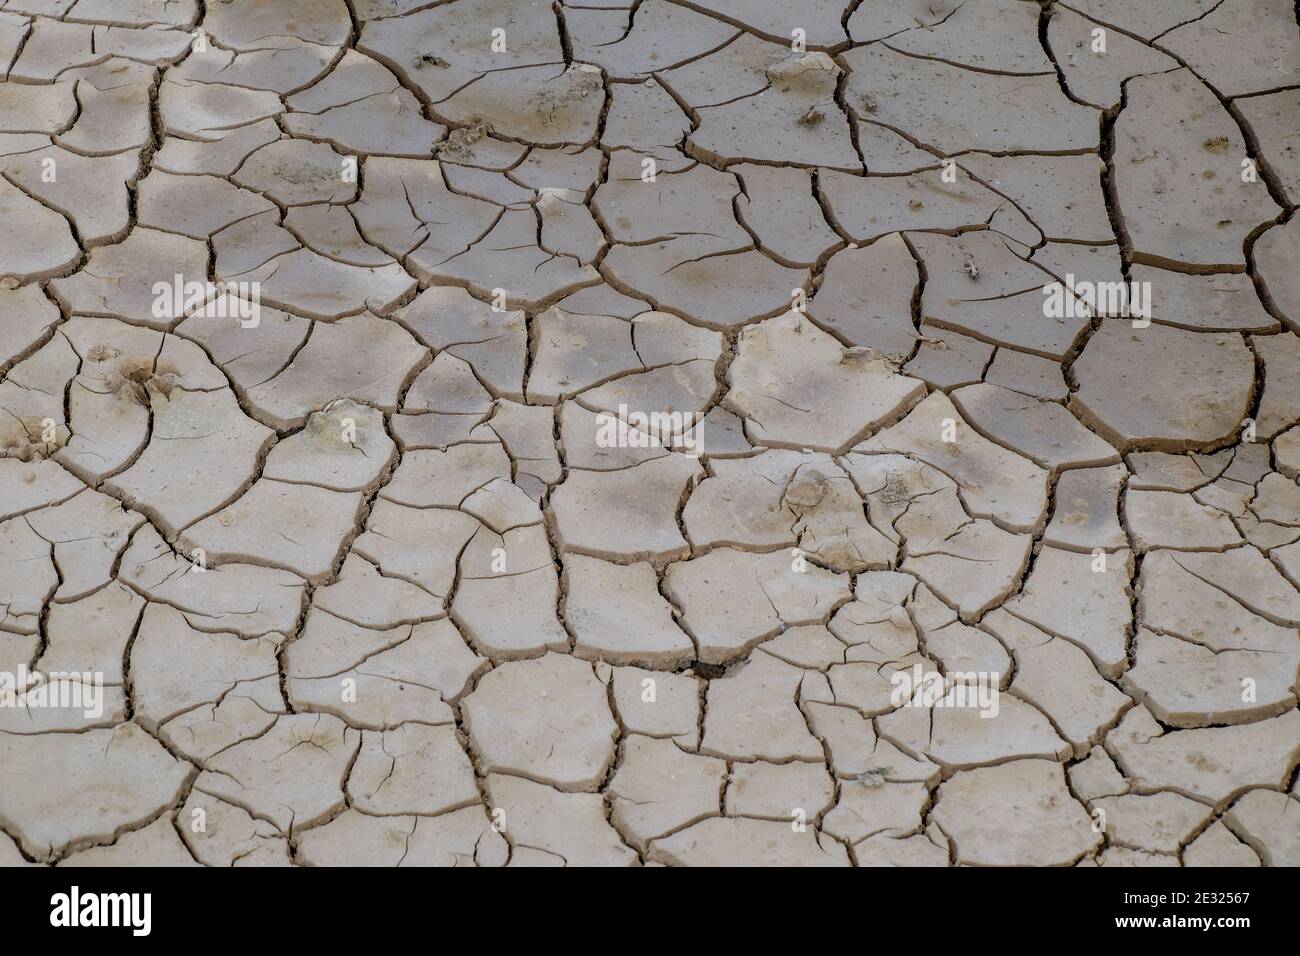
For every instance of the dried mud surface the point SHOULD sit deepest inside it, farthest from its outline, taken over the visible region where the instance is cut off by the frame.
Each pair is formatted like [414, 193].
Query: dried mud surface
[367, 582]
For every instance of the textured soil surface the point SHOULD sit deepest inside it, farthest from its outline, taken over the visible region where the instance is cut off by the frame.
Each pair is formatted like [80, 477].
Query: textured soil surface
[649, 432]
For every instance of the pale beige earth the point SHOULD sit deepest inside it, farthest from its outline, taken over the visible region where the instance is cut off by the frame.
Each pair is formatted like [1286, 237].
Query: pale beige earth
[365, 585]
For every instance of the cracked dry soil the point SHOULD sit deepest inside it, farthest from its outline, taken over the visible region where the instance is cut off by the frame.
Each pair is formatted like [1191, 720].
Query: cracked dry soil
[360, 566]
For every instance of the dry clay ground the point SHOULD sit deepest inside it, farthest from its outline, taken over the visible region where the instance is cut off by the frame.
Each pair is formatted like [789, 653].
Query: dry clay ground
[368, 581]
